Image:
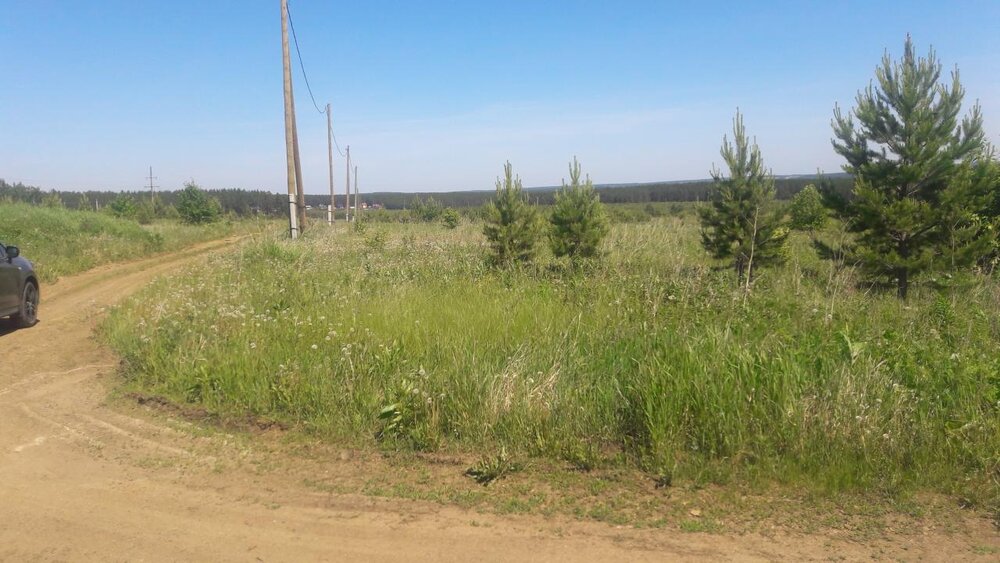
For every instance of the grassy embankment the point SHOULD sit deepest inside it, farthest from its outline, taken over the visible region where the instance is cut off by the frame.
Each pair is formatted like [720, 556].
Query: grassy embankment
[401, 337]
[62, 241]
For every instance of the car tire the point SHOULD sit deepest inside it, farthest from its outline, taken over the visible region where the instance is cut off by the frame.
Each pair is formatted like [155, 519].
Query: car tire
[28, 315]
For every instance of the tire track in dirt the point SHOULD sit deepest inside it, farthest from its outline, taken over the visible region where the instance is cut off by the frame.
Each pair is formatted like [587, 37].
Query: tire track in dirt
[81, 480]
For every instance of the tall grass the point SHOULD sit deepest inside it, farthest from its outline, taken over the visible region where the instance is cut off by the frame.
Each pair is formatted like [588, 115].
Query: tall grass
[62, 241]
[401, 336]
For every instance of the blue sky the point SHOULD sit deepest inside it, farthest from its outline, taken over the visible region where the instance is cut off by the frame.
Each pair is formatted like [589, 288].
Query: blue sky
[437, 95]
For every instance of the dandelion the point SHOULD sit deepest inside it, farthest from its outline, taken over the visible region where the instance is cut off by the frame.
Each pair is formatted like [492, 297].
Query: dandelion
[314, 347]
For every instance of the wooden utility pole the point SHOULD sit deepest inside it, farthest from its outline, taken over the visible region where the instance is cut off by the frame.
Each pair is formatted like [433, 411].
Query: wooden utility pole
[357, 204]
[329, 153]
[347, 190]
[300, 197]
[291, 154]
[152, 188]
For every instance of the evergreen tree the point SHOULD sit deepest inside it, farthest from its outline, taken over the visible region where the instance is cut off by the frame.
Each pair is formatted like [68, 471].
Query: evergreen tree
[428, 211]
[738, 223]
[123, 207]
[52, 199]
[195, 206]
[578, 222]
[512, 226]
[992, 169]
[145, 212]
[451, 218]
[916, 187]
[83, 203]
[807, 210]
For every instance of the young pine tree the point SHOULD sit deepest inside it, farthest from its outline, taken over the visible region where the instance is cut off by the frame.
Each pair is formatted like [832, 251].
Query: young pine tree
[123, 207]
[807, 210]
[912, 160]
[738, 224]
[451, 218]
[578, 222]
[512, 226]
[83, 203]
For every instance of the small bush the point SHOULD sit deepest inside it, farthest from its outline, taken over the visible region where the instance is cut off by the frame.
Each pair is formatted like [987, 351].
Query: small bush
[145, 213]
[196, 207]
[123, 207]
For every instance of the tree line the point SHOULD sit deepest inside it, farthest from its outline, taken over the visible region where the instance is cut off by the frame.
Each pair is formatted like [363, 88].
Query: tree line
[243, 202]
[236, 201]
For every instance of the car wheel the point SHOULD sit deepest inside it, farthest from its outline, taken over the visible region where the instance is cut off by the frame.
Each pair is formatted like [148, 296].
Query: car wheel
[28, 315]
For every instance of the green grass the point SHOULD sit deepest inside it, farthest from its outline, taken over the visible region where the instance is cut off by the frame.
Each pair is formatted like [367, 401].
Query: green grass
[650, 358]
[62, 241]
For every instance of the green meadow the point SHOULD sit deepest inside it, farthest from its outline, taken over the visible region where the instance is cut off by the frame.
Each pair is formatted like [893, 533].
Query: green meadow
[402, 337]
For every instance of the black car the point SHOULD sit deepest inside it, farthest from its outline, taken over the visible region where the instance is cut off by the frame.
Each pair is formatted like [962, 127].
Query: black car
[18, 288]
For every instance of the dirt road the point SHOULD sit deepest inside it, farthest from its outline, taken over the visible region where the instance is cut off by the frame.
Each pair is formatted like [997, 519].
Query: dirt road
[84, 480]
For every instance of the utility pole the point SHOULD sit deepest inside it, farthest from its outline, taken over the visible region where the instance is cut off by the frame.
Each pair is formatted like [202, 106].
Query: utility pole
[291, 152]
[152, 188]
[357, 204]
[347, 190]
[329, 153]
[300, 197]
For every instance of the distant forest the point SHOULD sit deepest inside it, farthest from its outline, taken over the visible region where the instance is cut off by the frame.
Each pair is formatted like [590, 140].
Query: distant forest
[249, 202]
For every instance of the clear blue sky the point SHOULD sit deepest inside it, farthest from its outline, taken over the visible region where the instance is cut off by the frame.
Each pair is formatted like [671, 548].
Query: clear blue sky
[437, 95]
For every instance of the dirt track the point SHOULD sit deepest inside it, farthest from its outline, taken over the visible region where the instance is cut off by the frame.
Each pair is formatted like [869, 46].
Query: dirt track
[82, 480]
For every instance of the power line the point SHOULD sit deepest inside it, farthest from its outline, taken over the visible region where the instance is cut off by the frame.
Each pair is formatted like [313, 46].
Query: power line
[302, 65]
[305, 76]
[336, 144]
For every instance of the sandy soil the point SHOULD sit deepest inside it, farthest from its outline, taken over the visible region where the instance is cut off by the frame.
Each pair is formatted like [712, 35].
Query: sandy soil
[82, 478]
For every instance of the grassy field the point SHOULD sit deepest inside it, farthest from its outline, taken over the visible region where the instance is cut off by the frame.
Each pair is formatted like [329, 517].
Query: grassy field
[62, 241]
[400, 337]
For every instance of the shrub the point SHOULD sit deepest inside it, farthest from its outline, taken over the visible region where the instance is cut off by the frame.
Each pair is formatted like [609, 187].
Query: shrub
[196, 207]
[123, 207]
[145, 213]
